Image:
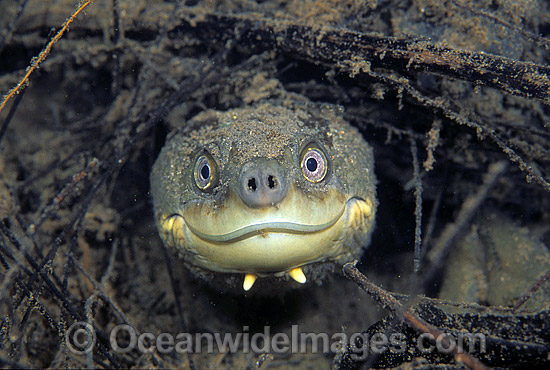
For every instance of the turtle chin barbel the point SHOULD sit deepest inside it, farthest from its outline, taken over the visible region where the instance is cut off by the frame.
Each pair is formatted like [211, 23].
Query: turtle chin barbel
[265, 191]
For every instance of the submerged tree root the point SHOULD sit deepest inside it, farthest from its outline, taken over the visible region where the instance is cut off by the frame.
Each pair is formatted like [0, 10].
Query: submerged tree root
[502, 334]
[389, 302]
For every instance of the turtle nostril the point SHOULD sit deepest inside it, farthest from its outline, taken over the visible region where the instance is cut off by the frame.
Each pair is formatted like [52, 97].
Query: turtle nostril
[252, 184]
[272, 181]
[262, 183]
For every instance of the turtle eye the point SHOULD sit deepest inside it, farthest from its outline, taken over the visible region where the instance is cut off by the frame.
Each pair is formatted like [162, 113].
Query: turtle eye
[314, 164]
[205, 172]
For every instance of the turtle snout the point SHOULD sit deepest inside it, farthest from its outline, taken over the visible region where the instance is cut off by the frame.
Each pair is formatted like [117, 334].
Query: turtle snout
[262, 183]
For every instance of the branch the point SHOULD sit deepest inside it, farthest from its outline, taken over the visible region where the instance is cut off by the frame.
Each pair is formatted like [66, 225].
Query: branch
[391, 303]
[354, 52]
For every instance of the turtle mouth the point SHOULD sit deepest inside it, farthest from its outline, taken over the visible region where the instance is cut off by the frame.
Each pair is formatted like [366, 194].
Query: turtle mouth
[263, 228]
[299, 231]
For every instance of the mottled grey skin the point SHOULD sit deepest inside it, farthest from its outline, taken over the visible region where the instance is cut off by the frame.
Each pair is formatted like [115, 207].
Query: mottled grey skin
[268, 131]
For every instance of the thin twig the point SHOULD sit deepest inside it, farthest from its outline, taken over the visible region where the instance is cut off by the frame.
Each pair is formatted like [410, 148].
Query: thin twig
[62, 299]
[528, 35]
[56, 201]
[98, 286]
[177, 294]
[431, 224]
[440, 104]
[93, 298]
[11, 113]
[418, 209]
[467, 211]
[531, 291]
[35, 62]
[13, 23]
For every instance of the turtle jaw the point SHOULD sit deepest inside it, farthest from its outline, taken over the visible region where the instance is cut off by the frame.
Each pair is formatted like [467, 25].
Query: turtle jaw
[274, 244]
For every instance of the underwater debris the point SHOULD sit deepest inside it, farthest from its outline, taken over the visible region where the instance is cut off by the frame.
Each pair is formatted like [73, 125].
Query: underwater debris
[503, 338]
